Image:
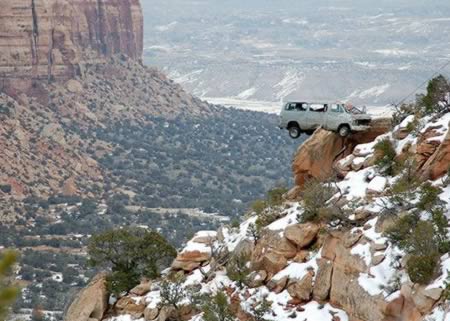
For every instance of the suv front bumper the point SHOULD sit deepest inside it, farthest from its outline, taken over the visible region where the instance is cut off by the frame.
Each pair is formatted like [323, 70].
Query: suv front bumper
[360, 128]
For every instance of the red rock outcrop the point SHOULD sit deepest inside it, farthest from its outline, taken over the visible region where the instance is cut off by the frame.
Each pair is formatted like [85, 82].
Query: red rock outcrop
[316, 157]
[91, 303]
[437, 164]
[51, 40]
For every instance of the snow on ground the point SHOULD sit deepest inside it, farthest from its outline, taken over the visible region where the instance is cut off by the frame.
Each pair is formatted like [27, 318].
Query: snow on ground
[445, 268]
[289, 84]
[167, 27]
[441, 126]
[366, 64]
[269, 107]
[355, 184]
[246, 94]
[375, 91]
[298, 270]
[194, 246]
[439, 313]
[233, 237]
[395, 52]
[363, 251]
[58, 277]
[186, 78]
[205, 234]
[313, 311]
[290, 218]
[381, 275]
[377, 184]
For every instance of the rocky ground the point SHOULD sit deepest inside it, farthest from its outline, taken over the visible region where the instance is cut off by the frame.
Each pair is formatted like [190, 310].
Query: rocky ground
[316, 270]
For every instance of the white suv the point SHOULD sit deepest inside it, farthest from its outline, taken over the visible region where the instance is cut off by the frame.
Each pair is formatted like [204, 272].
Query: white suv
[302, 117]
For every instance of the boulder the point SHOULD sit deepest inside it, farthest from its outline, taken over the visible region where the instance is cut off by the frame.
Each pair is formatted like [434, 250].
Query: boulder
[270, 262]
[166, 313]
[425, 148]
[437, 164]
[322, 284]
[91, 302]
[329, 247]
[345, 163]
[358, 163]
[302, 234]
[379, 246]
[74, 86]
[129, 306]
[301, 289]
[256, 279]
[150, 313]
[187, 266]
[346, 260]
[141, 289]
[424, 299]
[318, 154]
[301, 257]
[377, 259]
[376, 186]
[352, 238]
[272, 252]
[190, 260]
[350, 296]
[277, 285]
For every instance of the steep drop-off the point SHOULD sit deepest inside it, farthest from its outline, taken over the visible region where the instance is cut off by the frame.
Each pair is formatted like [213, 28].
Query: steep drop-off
[312, 270]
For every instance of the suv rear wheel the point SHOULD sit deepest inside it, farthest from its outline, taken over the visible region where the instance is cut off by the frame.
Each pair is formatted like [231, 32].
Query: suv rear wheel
[294, 131]
[344, 130]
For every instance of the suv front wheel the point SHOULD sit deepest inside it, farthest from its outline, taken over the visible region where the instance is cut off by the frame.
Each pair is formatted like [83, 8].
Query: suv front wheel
[294, 131]
[344, 130]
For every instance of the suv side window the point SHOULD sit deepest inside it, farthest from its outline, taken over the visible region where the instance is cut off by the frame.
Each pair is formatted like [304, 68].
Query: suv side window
[290, 106]
[301, 106]
[335, 108]
[320, 108]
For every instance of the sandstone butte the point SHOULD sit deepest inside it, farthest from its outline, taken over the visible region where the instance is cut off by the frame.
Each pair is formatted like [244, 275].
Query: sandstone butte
[43, 41]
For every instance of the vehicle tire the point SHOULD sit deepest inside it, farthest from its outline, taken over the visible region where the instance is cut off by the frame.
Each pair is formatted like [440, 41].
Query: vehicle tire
[310, 132]
[294, 131]
[344, 131]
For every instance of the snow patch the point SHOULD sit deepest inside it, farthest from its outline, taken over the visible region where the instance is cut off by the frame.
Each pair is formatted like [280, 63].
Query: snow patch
[289, 84]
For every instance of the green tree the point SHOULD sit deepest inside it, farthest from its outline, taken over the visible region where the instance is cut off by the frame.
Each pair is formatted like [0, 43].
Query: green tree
[173, 292]
[238, 268]
[437, 88]
[315, 196]
[217, 308]
[8, 293]
[130, 253]
[385, 159]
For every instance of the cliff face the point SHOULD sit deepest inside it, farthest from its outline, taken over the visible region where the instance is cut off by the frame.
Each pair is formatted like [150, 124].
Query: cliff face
[51, 40]
[317, 156]
[318, 269]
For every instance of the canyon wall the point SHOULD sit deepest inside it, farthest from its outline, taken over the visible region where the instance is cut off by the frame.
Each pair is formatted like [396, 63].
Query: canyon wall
[42, 41]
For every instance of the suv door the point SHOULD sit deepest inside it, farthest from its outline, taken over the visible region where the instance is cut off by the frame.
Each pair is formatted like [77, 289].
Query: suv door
[302, 115]
[335, 117]
[289, 113]
[316, 115]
